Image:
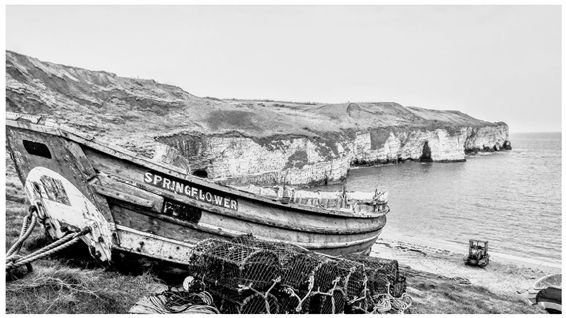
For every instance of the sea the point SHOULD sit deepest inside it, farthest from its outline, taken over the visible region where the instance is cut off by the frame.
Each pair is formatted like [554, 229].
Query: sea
[510, 198]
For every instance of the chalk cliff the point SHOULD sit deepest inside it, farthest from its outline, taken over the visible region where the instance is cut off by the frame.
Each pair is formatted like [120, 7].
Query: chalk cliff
[243, 141]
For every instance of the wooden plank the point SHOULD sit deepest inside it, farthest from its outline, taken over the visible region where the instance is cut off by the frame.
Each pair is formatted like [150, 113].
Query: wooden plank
[109, 182]
[225, 228]
[157, 225]
[153, 246]
[80, 160]
[115, 194]
[251, 211]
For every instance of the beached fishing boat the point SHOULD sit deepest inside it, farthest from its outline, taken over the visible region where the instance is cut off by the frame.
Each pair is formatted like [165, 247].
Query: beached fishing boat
[139, 205]
[547, 293]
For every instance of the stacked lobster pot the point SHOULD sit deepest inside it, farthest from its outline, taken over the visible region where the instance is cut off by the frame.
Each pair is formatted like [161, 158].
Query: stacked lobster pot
[247, 275]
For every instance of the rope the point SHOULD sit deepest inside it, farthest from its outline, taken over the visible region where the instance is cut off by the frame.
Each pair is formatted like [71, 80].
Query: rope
[60, 241]
[26, 259]
[330, 293]
[383, 303]
[27, 228]
[160, 304]
[264, 295]
[386, 302]
[13, 260]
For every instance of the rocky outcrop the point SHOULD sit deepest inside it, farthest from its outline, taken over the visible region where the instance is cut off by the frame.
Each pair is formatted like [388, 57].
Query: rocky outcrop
[238, 159]
[243, 141]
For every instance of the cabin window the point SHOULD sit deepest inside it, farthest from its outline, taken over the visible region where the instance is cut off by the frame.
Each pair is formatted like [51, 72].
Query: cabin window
[37, 149]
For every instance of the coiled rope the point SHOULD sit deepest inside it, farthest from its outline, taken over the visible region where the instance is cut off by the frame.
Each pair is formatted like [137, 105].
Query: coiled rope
[170, 303]
[384, 303]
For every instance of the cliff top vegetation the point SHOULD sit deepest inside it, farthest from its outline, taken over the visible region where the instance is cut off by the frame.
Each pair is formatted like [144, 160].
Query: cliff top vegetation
[133, 112]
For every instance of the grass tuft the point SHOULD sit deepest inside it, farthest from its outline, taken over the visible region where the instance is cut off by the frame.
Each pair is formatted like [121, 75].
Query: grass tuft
[57, 288]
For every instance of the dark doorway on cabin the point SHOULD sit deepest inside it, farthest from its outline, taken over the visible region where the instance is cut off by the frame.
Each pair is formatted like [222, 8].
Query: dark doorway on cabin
[201, 173]
[426, 156]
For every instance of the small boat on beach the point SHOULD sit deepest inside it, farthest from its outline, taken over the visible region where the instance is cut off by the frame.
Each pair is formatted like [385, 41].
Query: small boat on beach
[547, 293]
[134, 204]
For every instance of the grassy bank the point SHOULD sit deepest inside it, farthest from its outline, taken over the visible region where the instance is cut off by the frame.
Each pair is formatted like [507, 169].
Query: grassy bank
[61, 284]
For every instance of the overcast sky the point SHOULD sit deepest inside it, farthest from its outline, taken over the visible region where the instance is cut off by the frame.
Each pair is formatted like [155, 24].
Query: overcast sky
[497, 63]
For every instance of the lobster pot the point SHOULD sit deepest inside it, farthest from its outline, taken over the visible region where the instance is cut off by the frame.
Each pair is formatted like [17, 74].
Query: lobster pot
[283, 251]
[233, 265]
[297, 263]
[245, 302]
[290, 305]
[299, 268]
[399, 287]
[351, 276]
[228, 307]
[226, 300]
[388, 266]
[259, 304]
[328, 304]
[380, 272]
[197, 266]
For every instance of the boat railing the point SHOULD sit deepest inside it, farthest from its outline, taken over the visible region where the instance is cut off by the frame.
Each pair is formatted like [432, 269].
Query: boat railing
[348, 201]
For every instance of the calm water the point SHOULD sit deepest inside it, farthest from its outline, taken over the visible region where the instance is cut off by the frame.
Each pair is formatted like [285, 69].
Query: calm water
[512, 199]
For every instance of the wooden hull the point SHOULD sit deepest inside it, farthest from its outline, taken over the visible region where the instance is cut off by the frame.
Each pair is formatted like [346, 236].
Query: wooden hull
[157, 210]
[547, 293]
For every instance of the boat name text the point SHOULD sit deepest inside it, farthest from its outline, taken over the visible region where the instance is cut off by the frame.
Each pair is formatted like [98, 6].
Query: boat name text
[190, 190]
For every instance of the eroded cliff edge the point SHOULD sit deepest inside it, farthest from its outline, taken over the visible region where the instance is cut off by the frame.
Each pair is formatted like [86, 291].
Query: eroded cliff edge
[243, 141]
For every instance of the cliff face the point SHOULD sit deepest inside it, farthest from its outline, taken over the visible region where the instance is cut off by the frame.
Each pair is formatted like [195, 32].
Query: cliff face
[243, 141]
[236, 159]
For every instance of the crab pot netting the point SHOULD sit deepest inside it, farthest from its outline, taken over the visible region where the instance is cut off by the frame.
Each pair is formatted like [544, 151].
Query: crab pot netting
[381, 273]
[350, 276]
[248, 275]
[290, 305]
[297, 263]
[259, 304]
[399, 287]
[233, 265]
[232, 302]
[335, 303]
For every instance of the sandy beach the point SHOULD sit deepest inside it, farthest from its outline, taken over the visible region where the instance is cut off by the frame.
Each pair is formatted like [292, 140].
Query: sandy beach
[502, 278]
